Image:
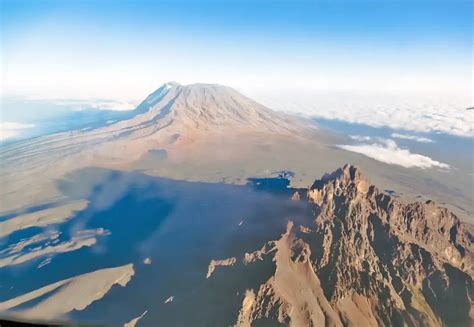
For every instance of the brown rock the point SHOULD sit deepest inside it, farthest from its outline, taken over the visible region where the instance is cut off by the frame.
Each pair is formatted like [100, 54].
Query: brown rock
[368, 260]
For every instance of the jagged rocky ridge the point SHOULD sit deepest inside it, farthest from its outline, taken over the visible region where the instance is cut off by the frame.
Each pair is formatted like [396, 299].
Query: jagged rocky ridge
[367, 259]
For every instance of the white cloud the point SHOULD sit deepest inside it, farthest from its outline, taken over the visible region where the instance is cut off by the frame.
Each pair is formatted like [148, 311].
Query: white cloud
[420, 112]
[360, 138]
[12, 129]
[412, 137]
[80, 104]
[389, 152]
[113, 105]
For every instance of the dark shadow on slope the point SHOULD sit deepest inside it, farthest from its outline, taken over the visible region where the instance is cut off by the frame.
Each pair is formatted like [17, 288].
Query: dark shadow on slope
[180, 226]
[273, 185]
[450, 295]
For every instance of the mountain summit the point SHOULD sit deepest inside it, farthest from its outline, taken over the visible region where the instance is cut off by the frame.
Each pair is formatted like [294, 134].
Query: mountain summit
[209, 108]
[175, 116]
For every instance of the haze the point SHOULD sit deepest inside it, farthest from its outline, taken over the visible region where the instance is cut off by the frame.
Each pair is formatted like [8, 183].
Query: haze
[67, 49]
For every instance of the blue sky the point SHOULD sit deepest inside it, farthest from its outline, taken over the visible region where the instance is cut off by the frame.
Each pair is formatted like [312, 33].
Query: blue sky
[125, 49]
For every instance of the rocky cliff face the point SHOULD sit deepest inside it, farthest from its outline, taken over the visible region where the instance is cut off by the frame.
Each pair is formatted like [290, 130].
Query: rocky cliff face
[366, 259]
[413, 262]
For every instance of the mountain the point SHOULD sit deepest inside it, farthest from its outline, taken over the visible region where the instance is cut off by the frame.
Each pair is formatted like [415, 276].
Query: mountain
[210, 197]
[204, 132]
[210, 107]
[170, 121]
[364, 259]
[173, 113]
[338, 253]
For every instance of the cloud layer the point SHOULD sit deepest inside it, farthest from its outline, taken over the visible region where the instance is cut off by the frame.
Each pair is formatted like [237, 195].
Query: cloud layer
[85, 103]
[441, 113]
[12, 129]
[412, 137]
[389, 152]
[360, 138]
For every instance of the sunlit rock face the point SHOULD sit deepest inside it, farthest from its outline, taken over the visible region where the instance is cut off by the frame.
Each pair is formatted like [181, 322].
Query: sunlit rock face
[338, 253]
[366, 258]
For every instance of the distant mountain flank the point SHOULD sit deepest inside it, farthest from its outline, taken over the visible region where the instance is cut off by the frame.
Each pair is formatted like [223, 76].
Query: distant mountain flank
[171, 115]
[176, 111]
[171, 119]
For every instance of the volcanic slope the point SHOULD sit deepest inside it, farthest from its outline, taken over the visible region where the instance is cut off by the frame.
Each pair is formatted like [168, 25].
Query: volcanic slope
[172, 117]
